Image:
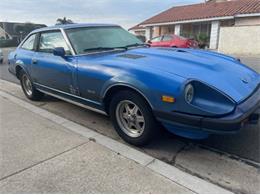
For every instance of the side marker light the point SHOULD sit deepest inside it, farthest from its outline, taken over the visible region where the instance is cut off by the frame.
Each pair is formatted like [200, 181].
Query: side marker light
[168, 99]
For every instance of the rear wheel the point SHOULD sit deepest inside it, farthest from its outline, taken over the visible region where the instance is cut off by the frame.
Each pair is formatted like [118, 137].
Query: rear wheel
[132, 118]
[29, 90]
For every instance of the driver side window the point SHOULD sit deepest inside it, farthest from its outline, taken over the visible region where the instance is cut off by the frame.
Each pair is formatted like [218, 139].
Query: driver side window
[51, 40]
[156, 39]
[167, 38]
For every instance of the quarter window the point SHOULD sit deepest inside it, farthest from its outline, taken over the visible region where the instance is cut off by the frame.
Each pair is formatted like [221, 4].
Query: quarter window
[29, 43]
[51, 40]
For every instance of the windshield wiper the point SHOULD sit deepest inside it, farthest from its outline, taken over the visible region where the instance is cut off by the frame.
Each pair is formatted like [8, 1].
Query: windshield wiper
[98, 49]
[114, 48]
[132, 45]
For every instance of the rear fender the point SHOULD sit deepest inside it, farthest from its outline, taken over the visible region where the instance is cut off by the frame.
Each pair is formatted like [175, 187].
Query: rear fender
[20, 65]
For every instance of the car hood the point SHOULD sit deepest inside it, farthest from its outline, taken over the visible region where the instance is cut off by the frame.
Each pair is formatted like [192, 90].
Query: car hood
[217, 70]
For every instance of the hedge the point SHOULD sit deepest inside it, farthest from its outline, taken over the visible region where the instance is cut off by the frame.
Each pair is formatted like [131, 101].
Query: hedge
[8, 43]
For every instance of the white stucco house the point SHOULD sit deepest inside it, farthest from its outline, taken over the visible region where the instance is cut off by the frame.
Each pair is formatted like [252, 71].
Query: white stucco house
[207, 18]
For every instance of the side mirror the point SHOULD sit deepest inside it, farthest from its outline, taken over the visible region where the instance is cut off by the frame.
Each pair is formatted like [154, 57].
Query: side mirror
[59, 51]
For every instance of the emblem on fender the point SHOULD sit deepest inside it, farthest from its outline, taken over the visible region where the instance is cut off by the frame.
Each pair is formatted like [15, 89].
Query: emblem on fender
[244, 80]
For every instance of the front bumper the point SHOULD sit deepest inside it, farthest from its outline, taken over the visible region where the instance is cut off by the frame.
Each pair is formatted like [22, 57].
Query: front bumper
[231, 123]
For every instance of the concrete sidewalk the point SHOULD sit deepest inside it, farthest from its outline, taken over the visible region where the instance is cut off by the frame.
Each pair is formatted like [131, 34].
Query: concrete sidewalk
[44, 153]
[39, 156]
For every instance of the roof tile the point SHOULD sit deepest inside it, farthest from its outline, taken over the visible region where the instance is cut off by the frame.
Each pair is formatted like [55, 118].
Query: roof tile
[205, 10]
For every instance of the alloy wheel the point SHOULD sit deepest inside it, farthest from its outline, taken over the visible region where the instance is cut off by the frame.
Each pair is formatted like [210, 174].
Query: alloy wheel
[130, 118]
[27, 85]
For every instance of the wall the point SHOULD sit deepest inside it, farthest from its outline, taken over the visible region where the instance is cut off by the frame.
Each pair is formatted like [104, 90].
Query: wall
[139, 32]
[156, 31]
[214, 34]
[148, 33]
[162, 30]
[247, 21]
[241, 40]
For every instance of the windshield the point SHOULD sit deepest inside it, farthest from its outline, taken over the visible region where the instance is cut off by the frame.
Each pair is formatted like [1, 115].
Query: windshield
[89, 39]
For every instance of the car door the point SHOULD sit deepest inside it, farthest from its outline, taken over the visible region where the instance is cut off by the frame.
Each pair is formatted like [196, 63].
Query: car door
[166, 41]
[24, 54]
[53, 71]
[156, 42]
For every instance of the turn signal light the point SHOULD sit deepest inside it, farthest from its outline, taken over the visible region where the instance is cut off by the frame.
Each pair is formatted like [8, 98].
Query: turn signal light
[168, 99]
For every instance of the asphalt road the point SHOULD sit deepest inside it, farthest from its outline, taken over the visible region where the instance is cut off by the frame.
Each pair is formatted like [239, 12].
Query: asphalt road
[245, 144]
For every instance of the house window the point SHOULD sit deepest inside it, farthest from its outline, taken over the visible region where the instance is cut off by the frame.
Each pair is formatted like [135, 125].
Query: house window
[196, 28]
[186, 30]
[171, 29]
[198, 31]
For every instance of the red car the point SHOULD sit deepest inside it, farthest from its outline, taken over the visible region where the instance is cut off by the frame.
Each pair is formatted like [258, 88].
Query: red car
[173, 41]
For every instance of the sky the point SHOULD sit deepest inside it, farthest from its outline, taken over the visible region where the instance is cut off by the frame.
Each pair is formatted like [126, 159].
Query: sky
[126, 13]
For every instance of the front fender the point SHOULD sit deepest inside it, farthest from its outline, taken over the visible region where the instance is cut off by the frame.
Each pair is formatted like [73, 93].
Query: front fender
[131, 82]
[151, 85]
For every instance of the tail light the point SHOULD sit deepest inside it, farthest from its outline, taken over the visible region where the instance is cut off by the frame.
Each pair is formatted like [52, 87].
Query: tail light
[189, 43]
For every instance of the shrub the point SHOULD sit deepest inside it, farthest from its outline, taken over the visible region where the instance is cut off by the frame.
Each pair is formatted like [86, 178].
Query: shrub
[202, 39]
[8, 43]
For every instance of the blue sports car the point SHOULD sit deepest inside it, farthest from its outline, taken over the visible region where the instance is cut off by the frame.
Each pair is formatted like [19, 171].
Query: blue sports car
[191, 93]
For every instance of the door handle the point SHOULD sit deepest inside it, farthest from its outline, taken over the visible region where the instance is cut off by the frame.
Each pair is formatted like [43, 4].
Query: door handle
[34, 61]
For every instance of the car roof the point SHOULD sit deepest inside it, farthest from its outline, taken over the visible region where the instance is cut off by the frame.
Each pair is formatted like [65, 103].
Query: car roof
[70, 26]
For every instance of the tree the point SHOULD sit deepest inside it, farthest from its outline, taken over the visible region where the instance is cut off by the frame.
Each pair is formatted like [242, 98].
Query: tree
[64, 20]
[23, 29]
[26, 28]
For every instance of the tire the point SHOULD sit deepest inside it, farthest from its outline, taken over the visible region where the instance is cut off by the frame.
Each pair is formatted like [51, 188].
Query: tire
[29, 90]
[140, 134]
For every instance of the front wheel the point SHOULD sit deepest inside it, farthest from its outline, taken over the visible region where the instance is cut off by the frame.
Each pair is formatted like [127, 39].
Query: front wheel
[28, 88]
[132, 118]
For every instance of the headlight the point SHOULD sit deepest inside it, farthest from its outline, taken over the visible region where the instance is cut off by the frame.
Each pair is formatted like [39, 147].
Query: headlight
[189, 93]
[205, 100]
